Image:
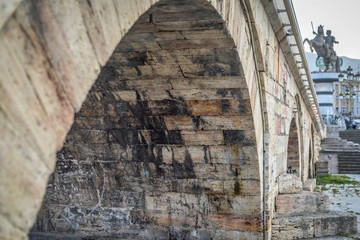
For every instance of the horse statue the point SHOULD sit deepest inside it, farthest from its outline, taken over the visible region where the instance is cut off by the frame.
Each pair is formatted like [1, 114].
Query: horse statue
[324, 48]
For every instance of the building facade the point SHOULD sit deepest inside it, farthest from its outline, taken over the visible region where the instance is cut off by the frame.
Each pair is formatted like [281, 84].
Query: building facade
[332, 97]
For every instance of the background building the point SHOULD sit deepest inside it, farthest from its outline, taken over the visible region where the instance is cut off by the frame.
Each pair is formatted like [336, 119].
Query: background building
[336, 98]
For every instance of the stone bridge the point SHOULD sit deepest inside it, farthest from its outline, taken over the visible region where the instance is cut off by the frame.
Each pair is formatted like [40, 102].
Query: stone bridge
[138, 118]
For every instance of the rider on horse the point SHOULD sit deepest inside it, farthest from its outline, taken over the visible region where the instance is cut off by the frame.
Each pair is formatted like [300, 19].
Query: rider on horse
[324, 47]
[329, 41]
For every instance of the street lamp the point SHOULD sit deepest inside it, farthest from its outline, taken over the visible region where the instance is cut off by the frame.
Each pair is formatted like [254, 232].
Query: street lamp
[350, 82]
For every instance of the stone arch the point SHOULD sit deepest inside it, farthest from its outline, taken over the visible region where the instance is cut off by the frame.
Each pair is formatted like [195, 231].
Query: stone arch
[164, 143]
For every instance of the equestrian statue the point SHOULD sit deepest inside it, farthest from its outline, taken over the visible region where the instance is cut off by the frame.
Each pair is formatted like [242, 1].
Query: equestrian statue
[324, 47]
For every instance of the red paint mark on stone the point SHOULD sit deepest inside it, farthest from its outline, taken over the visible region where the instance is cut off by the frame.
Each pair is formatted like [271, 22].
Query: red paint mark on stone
[278, 125]
[285, 113]
[284, 75]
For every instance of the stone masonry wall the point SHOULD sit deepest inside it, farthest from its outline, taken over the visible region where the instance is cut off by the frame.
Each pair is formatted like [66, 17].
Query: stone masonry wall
[53, 51]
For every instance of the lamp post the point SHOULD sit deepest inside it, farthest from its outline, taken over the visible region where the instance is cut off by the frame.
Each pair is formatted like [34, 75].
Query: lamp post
[351, 82]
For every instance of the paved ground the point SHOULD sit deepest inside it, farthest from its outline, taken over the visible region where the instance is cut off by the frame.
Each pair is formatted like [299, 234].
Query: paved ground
[345, 197]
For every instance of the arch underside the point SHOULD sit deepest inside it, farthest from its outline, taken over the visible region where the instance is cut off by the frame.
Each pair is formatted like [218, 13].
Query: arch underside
[164, 144]
[311, 164]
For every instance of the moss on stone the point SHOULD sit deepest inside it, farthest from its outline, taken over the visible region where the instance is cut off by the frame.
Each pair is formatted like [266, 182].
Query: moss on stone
[334, 179]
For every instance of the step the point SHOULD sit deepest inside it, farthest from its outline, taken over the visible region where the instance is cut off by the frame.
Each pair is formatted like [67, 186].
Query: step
[349, 163]
[332, 238]
[348, 171]
[348, 133]
[342, 150]
[334, 140]
[347, 155]
[339, 141]
[350, 168]
[352, 139]
[355, 236]
[347, 149]
[310, 225]
[349, 160]
[341, 156]
[301, 202]
[354, 135]
[345, 136]
[351, 157]
[338, 145]
[355, 140]
[347, 143]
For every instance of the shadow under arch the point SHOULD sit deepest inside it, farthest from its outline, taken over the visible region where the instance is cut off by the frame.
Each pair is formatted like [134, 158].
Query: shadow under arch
[300, 123]
[293, 158]
[164, 144]
[311, 171]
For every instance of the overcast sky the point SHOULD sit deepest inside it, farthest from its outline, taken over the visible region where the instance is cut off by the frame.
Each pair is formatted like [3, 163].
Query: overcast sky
[342, 17]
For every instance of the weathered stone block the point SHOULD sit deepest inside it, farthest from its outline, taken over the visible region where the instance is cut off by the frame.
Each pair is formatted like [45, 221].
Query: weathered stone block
[209, 82]
[236, 222]
[228, 203]
[67, 45]
[310, 185]
[102, 26]
[302, 202]
[176, 202]
[289, 183]
[226, 107]
[309, 225]
[182, 123]
[202, 137]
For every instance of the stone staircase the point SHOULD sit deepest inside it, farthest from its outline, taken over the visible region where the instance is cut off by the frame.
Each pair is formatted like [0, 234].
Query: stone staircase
[337, 144]
[351, 135]
[349, 162]
[342, 151]
[306, 215]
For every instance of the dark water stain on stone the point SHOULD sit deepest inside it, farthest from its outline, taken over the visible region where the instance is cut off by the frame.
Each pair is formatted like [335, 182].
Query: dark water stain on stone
[234, 137]
[237, 188]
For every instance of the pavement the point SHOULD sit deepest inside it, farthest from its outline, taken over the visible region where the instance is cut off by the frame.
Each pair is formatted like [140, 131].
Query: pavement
[345, 197]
